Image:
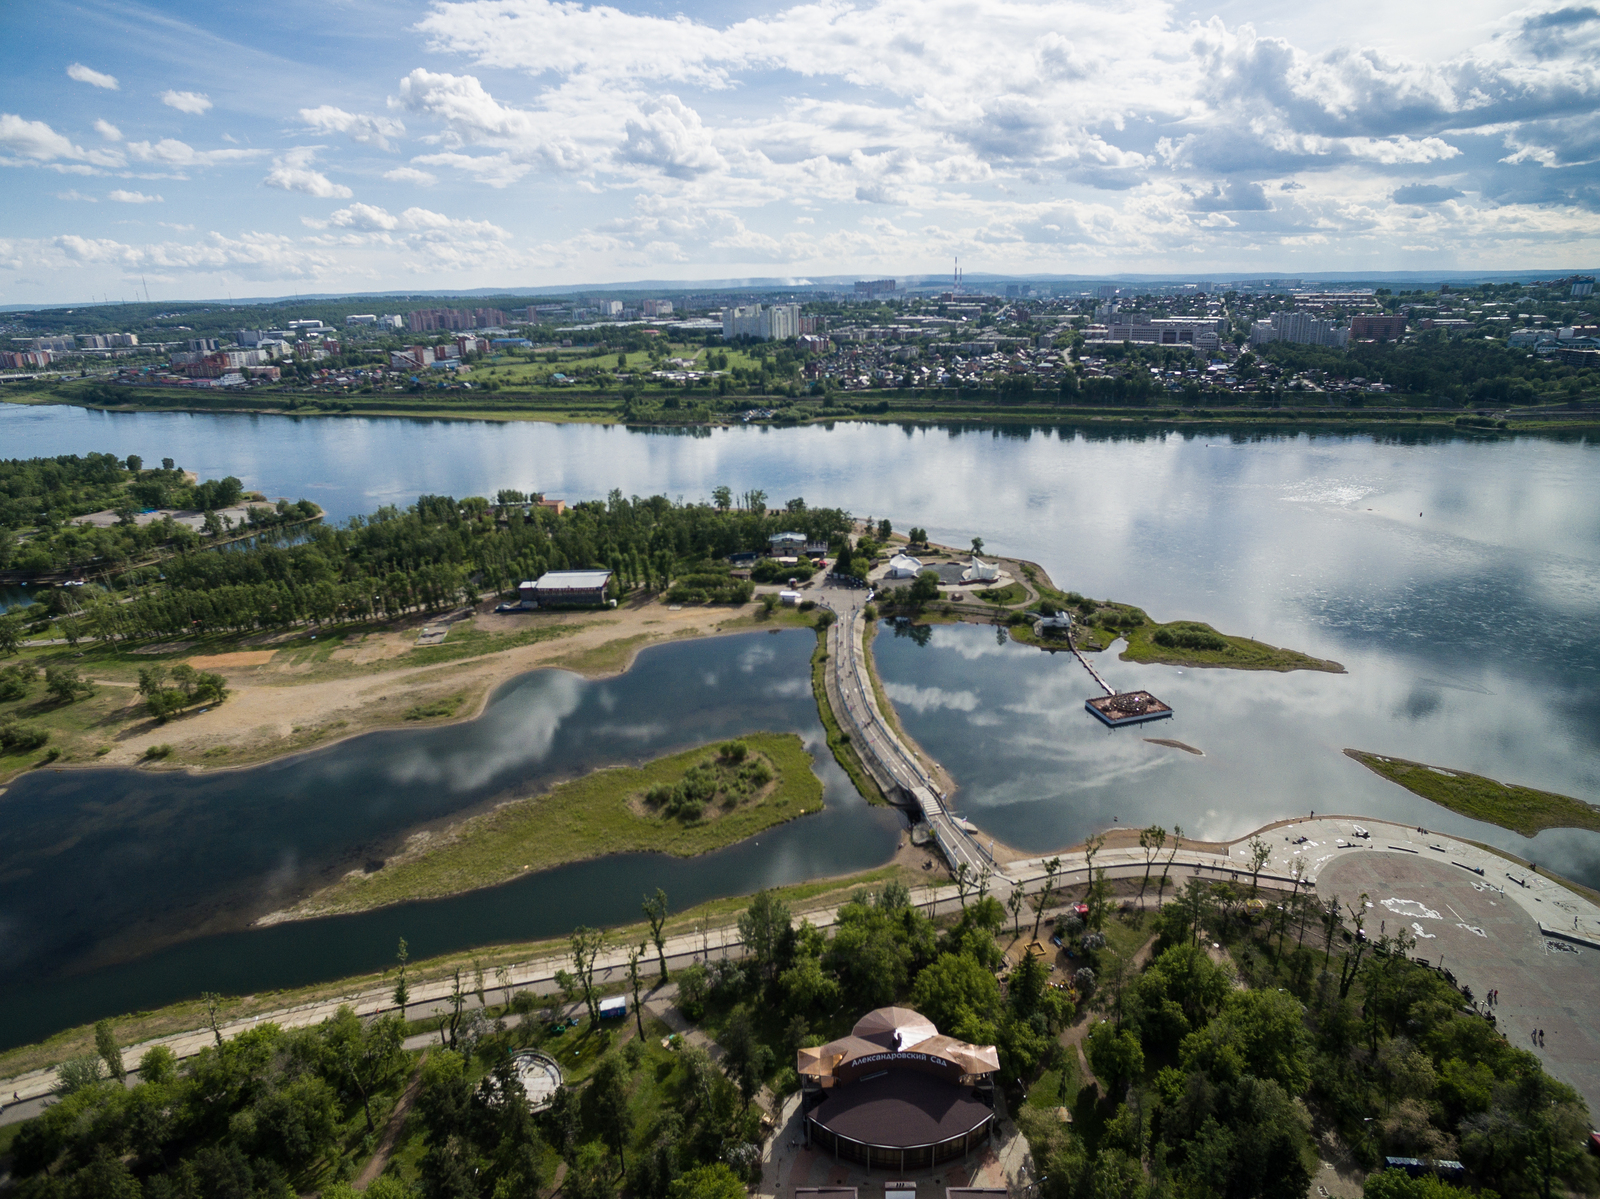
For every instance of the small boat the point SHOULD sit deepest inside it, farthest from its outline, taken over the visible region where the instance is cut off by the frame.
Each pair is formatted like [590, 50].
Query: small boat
[1361, 832]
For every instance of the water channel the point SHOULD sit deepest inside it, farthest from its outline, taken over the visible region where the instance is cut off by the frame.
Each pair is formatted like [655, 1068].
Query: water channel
[1457, 578]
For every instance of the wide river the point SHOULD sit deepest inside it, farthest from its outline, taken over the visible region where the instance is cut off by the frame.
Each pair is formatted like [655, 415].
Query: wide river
[1458, 579]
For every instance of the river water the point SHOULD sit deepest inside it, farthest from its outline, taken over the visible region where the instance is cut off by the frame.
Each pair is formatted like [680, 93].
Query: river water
[1457, 578]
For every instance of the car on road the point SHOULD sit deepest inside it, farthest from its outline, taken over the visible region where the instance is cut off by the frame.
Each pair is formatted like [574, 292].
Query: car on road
[508, 607]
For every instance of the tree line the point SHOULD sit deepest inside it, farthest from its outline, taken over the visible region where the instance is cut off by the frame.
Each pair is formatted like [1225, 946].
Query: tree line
[441, 552]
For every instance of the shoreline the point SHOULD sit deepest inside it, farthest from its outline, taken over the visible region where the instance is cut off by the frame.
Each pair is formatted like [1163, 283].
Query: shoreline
[182, 1026]
[559, 408]
[423, 850]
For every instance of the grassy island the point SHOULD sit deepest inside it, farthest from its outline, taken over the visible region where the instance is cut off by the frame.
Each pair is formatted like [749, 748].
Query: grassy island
[684, 804]
[1098, 624]
[1521, 809]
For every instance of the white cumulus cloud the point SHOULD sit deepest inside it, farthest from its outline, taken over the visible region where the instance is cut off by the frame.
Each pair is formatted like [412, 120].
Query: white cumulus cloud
[411, 175]
[88, 75]
[293, 172]
[33, 142]
[195, 103]
[169, 151]
[357, 126]
[108, 131]
[127, 197]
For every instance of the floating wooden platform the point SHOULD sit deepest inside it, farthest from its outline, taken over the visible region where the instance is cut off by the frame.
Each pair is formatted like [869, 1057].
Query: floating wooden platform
[1130, 707]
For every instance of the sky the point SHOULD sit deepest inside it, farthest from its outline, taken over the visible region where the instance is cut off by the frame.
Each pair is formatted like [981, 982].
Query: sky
[189, 149]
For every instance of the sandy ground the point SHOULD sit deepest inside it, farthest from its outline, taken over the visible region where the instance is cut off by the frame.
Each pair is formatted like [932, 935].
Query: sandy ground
[268, 712]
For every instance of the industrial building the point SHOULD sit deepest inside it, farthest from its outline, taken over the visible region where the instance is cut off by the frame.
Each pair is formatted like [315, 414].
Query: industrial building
[566, 588]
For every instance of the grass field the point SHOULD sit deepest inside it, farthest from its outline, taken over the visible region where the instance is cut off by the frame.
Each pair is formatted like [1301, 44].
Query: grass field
[1520, 809]
[598, 814]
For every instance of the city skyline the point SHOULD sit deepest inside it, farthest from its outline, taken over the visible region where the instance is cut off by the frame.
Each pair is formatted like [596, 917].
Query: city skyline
[514, 144]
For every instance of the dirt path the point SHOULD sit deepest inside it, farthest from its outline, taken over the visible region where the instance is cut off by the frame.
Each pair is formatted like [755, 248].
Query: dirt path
[1073, 1038]
[391, 1131]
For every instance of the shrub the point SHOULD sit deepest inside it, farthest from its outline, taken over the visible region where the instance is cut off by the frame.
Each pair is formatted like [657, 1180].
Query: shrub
[18, 738]
[65, 684]
[15, 680]
[157, 752]
[1189, 636]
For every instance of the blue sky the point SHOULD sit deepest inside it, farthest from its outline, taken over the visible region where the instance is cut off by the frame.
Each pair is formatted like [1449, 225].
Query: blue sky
[206, 149]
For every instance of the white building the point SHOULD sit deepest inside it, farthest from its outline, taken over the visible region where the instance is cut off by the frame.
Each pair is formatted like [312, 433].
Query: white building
[777, 323]
[658, 307]
[1300, 328]
[980, 571]
[904, 566]
[611, 308]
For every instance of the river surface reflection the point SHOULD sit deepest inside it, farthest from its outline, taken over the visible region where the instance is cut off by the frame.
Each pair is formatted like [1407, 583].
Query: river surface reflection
[101, 867]
[1457, 577]
[1037, 771]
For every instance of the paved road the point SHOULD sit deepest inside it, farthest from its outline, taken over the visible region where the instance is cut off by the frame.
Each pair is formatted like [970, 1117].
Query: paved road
[895, 766]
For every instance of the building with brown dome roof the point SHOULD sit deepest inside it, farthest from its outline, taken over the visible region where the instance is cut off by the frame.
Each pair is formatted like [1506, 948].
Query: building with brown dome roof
[898, 1094]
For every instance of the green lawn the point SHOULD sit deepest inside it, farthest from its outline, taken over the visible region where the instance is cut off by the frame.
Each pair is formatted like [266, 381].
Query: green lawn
[600, 813]
[1520, 809]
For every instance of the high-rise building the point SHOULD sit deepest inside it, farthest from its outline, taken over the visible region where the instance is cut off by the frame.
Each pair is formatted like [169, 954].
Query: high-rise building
[777, 323]
[658, 307]
[1299, 327]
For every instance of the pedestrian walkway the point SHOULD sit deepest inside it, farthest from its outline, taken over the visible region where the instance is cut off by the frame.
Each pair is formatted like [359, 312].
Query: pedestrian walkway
[1302, 851]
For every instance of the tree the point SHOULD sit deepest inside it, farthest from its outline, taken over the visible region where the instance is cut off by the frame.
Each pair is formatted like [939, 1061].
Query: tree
[925, 587]
[105, 1044]
[586, 944]
[213, 1006]
[1150, 840]
[364, 1056]
[609, 1094]
[959, 996]
[1177, 840]
[633, 983]
[402, 992]
[1115, 1055]
[1014, 903]
[655, 911]
[10, 639]
[917, 536]
[1260, 852]
[762, 926]
[65, 684]
[716, 1181]
[1051, 868]
[977, 546]
[722, 497]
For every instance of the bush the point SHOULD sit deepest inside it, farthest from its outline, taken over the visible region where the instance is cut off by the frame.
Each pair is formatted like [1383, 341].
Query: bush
[65, 684]
[14, 681]
[1189, 636]
[155, 753]
[18, 738]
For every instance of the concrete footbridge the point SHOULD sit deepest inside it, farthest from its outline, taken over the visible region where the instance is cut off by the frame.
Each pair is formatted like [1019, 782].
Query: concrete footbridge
[897, 769]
